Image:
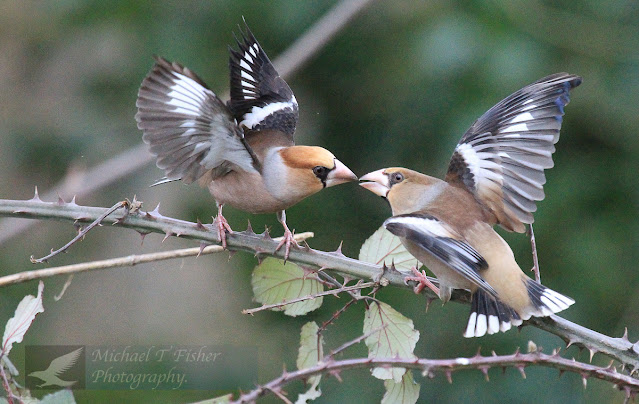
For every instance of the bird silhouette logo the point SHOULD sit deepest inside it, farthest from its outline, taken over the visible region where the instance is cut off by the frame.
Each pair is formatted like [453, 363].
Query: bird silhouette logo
[51, 375]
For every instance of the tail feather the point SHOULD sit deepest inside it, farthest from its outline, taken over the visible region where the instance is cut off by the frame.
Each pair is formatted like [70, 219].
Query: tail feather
[545, 301]
[489, 315]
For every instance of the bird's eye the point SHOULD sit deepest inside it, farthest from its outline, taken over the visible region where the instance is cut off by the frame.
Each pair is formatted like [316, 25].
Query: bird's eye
[320, 172]
[396, 178]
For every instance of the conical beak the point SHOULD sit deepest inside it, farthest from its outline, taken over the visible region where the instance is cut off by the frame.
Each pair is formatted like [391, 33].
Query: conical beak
[376, 182]
[339, 175]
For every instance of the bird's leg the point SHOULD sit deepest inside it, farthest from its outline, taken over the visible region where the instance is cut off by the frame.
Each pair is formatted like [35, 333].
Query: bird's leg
[533, 244]
[422, 280]
[222, 225]
[287, 239]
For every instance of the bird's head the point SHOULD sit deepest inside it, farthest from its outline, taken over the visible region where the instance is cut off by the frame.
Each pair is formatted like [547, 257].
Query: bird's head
[401, 187]
[299, 171]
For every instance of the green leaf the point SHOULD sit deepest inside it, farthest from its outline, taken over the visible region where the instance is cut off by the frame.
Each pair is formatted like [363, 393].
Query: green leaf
[217, 400]
[274, 282]
[405, 392]
[384, 247]
[393, 336]
[18, 325]
[310, 353]
[59, 397]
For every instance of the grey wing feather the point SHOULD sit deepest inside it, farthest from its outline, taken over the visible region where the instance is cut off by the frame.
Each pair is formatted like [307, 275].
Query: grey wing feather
[430, 234]
[502, 157]
[188, 127]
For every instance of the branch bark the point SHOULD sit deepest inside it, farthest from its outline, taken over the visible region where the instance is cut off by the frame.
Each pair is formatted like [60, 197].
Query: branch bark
[620, 349]
[429, 367]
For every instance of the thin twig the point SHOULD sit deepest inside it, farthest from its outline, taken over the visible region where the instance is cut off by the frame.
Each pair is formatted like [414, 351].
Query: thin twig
[355, 295]
[352, 342]
[533, 245]
[334, 292]
[128, 261]
[64, 288]
[335, 315]
[430, 366]
[82, 233]
[5, 383]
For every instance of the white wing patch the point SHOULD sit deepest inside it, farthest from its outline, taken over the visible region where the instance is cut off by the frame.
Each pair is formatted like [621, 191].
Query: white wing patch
[258, 114]
[187, 96]
[484, 171]
[520, 127]
[422, 224]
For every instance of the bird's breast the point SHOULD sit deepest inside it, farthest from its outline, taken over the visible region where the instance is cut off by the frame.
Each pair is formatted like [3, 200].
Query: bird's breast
[245, 191]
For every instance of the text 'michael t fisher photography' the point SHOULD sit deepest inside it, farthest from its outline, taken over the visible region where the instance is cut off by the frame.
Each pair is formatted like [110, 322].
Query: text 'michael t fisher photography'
[140, 367]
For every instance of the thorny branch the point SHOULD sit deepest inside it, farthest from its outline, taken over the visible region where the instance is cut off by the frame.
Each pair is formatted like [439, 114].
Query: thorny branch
[333, 292]
[83, 232]
[429, 367]
[120, 262]
[620, 349]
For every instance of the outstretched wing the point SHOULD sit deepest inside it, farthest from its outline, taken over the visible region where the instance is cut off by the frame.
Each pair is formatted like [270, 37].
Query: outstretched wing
[440, 241]
[502, 157]
[188, 127]
[260, 98]
[64, 362]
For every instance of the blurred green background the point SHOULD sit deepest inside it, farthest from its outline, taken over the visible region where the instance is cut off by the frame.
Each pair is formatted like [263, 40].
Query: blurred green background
[398, 86]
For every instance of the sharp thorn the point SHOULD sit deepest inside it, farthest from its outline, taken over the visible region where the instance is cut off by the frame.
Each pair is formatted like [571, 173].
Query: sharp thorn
[266, 234]
[522, 371]
[202, 247]
[142, 235]
[484, 370]
[36, 196]
[449, 376]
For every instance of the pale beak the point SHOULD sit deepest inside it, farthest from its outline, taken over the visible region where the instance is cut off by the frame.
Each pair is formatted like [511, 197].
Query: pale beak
[339, 175]
[377, 182]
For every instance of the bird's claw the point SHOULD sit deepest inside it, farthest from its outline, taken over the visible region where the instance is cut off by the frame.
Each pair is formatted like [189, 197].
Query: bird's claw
[222, 227]
[287, 240]
[422, 281]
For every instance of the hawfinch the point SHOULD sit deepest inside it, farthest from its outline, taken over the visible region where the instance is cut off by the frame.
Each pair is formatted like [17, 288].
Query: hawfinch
[242, 151]
[495, 176]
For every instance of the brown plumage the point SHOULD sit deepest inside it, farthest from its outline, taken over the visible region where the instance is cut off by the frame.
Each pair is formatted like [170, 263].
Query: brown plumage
[495, 176]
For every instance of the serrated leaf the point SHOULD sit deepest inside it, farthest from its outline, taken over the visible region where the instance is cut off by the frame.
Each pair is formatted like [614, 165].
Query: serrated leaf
[225, 399]
[59, 397]
[405, 392]
[395, 337]
[18, 325]
[273, 282]
[385, 247]
[310, 352]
